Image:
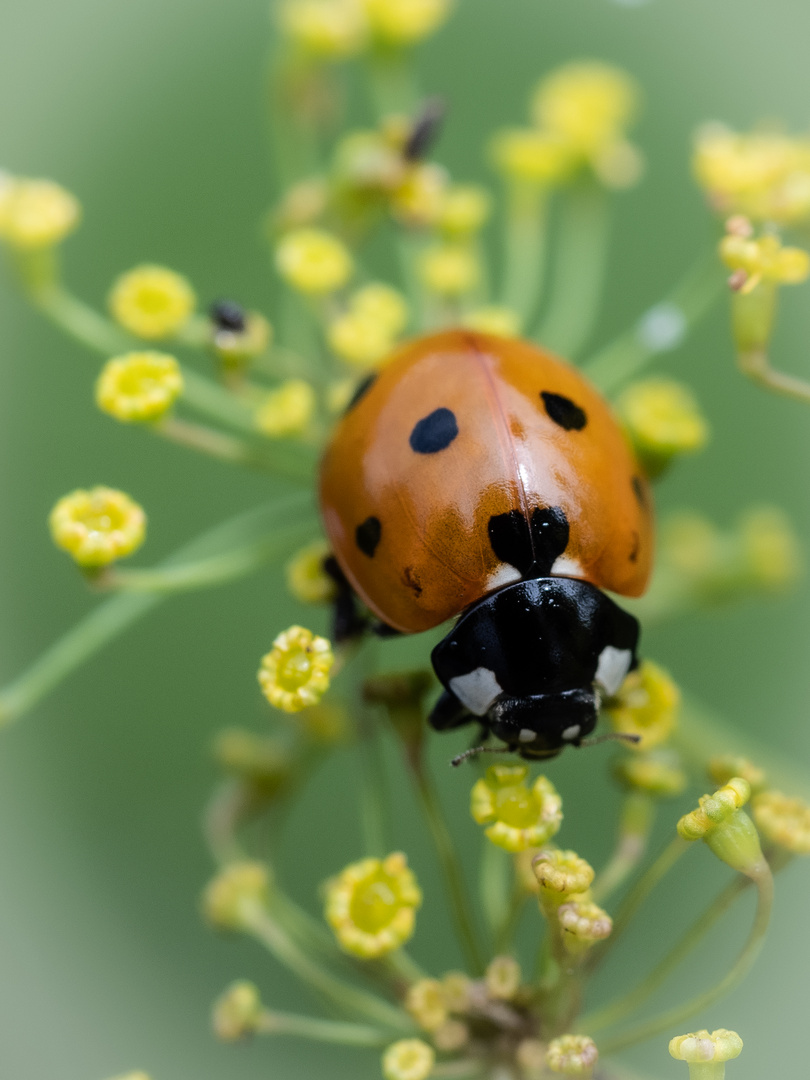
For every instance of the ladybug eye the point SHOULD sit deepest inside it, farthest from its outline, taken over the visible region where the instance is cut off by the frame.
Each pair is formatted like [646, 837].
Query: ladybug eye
[563, 411]
[434, 432]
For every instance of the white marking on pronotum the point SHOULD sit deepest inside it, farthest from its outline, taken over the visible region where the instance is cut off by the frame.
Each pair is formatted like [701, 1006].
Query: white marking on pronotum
[571, 732]
[527, 735]
[565, 566]
[612, 667]
[477, 689]
[504, 575]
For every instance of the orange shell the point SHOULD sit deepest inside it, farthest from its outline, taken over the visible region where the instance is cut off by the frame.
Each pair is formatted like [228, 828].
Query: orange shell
[433, 557]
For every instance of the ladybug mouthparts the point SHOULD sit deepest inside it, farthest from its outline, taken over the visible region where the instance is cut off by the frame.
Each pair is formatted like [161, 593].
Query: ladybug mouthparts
[530, 660]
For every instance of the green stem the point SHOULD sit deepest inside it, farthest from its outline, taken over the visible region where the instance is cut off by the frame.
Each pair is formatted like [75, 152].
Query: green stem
[579, 270]
[525, 249]
[257, 920]
[637, 819]
[620, 1008]
[691, 299]
[112, 617]
[672, 1018]
[391, 82]
[451, 868]
[756, 365]
[494, 885]
[330, 1031]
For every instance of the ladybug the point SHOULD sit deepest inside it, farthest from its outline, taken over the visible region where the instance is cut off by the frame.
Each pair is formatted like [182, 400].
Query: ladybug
[482, 479]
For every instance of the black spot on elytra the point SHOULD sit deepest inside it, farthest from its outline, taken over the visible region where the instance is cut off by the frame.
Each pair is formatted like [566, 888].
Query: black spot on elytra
[636, 547]
[434, 432]
[563, 411]
[411, 580]
[367, 536]
[530, 546]
[360, 391]
[639, 491]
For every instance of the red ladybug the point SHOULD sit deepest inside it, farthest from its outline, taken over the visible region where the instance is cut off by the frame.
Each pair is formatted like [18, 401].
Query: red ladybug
[482, 477]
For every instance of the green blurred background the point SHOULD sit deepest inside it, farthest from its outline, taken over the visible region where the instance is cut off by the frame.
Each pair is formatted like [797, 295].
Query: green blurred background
[152, 113]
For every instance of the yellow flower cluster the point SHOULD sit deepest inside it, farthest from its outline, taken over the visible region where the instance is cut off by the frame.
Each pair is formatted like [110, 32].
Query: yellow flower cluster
[287, 410]
[517, 816]
[366, 332]
[35, 214]
[295, 673]
[139, 387]
[98, 526]
[152, 302]
[647, 705]
[581, 112]
[762, 174]
[337, 29]
[371, 905]
[313, 261]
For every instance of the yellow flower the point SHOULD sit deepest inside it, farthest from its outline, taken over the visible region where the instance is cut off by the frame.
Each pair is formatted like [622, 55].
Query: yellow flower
[500, 321]
[260, 760]
[418, 198]
[313, 261]
[530, 156]
[152, 301]
[502, 978]
[763, 259]
[764, 175]
[658, 773]
[647, 705]
[588, 104]
[408, 1059]
[464, 210]
[306, 578]
[382, 303]
[295, 673]
[371, 905]
[771, 547]
[700, 1046]
[572, 1055]
[237, 1011]
[449, 270]
[287, 410]
[36, 214]
[404, 22]
[451, 1036]
[518, 816]
[727, 830]
[583, 924]
[326, 29]
[359, 339]
[783, 821]
[561, 874]
[715, 809]
[726, 766]
[426, 1003]
[456, 987]
[138, 387]
[98, 526]
[238, 886]
[663, 420]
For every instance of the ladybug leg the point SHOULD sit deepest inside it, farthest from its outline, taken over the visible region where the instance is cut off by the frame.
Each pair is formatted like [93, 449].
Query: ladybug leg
[348, 622]
[448, 712]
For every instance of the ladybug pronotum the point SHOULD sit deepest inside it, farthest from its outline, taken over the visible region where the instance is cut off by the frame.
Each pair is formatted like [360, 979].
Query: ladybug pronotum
[483, 479]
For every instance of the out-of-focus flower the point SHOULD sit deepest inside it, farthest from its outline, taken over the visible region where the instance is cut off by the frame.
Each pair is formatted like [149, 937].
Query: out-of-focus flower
[724, 767]
[426, 1003]
[408, 1059]
[658, 773]
[770, 547]
[763, 259]
[583, 923]
[382, 303]
[449, 270]
[706, 1054]
[531, 157]
[404, 22]
[287, 410]
[237, 1011]
[139, 387]
[518, 816]
[647, 705]
[359, 339]
[419, 196]
[98, 526]
[306, 577]
[500, 321]
[783, 821]
[313, 261]
[561, 874]
[295, 673]
[464, 210]
[325, 29]
[572, 1055]
[502, 978]
[152, 301]
[238, 885]
[36, 214]
[663, 419]
[371, 905]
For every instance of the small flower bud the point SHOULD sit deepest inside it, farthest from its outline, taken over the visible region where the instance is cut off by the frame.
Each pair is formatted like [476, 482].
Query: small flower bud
[726, 766]
[783, 821]
[451, 1036]
[408, 1059]
[715, 809]
[647, 704]
[295, 673]
[583, 924]
[235, 345]
[456, 989]
[260, 760]
[151, 301]
[288, 410]
[426, 1004]
[464, 210]
[518, 816]
[36, 214]
[657, 773]
[234, 887]
[572, 1055]
[236, 1012]
[706, 1054]
[449, 270]
[589, 104]
[533, 157]
[371, 905]
[404, 22]
[771, 549]
[417, 199]
[561, 874]
[313, 261]
[531, 1058]
[764, 259]
[98, 526]
[359, 339]
[139, 387]
[325, 29]
[725, 828]
[502, 978]
[664, 421]
[306, 577]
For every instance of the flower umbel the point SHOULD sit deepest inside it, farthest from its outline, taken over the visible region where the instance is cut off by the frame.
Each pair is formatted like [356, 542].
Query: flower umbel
[98, 526]
[518, 816]
[295, 673]
[139, 387]
[371, 905]
[152, 301]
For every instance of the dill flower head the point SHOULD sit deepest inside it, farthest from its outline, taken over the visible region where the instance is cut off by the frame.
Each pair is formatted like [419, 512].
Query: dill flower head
[518, 816]
[371, 905]
[572, 1055]
[561, 874]
[700, 1046]
[98, 526]
[783, 821]
[295, 673]
[404, 22]
[530, 156]
[762, 174]
[449, 270]
[313, 261]
[306, 577]
[287, 410]
[152, 301]
[138, 387]
[36, 214]
[500, 321]
[325, 29]
[663, 419]
[237, 1011]
[426, 1003]
[236, 886]
[589, 105]
[763, 259]
[583, 923]
[647, 705]
[408, 1059]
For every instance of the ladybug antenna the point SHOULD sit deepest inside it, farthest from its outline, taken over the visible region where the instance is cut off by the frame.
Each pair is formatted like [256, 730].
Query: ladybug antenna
[612, 736]
[476, 750]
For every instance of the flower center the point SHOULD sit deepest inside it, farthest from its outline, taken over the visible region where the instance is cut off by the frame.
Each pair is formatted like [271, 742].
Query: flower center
[374, 905]
[294, 670]
[517, 807]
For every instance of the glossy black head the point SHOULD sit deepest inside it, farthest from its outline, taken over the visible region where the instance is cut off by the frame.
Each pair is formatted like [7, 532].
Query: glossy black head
[530, 660]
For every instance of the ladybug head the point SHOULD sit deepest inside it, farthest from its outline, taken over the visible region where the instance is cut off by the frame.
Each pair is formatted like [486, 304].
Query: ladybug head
[530, 660]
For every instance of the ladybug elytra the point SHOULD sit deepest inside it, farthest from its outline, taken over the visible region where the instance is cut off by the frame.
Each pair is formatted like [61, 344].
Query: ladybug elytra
[483, 479]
